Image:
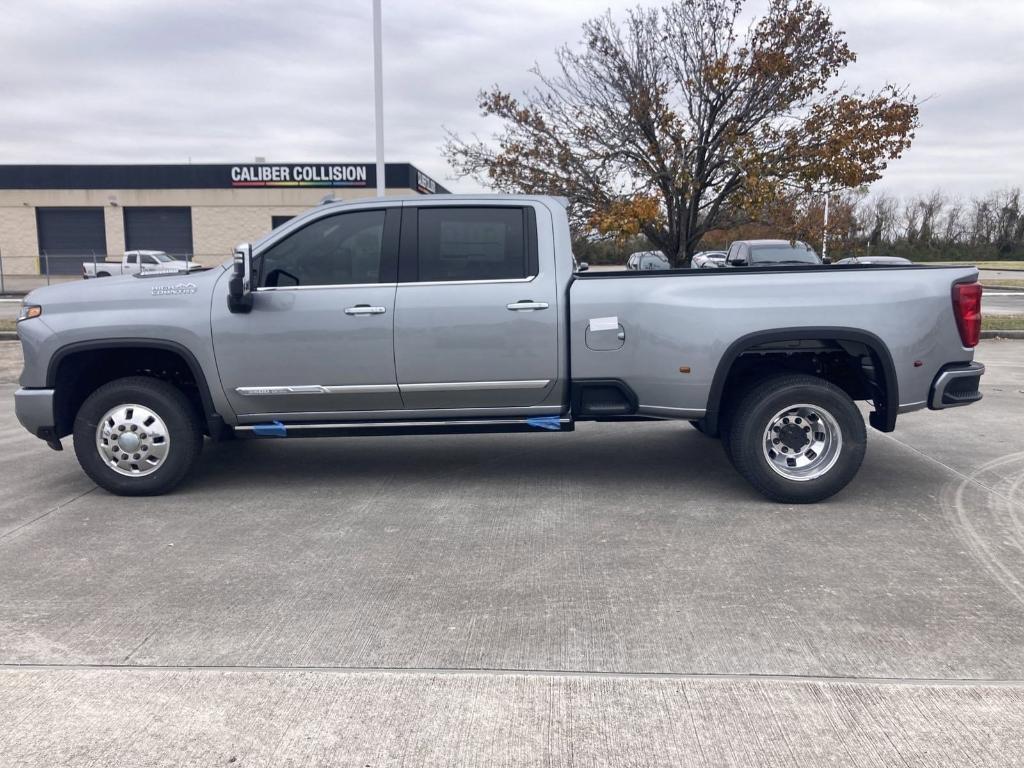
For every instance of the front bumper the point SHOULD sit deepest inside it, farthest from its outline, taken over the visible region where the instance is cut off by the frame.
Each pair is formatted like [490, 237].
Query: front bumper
[956, 385]
[34, 409]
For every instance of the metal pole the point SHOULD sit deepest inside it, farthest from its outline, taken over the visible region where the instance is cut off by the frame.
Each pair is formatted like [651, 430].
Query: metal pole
[2, 271]
[46, 258]
[824, 236]
[378, 95]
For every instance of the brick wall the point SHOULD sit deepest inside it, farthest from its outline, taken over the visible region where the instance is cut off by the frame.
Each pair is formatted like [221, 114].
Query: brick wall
[19, 243]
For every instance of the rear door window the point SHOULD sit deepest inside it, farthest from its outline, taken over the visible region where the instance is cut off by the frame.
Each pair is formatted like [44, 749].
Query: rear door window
[486, 243]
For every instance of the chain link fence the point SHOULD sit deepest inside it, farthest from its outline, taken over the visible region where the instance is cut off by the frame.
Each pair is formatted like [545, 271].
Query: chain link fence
[18, 277]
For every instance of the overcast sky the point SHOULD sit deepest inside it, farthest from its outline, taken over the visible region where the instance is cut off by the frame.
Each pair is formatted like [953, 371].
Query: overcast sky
[123, 81]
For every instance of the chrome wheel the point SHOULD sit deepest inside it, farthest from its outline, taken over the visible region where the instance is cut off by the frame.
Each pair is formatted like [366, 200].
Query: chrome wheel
[802, 442]
[132, 440]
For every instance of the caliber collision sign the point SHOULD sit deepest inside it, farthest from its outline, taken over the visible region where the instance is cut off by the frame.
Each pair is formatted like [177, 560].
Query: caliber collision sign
[298, 176]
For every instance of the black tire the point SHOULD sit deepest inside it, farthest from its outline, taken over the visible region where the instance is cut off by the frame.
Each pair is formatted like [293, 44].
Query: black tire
[102, 274]
[725, 436]
[184, 435]
[829, 470]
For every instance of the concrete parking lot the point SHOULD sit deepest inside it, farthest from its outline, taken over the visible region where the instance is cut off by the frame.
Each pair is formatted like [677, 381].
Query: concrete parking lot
[612, 596]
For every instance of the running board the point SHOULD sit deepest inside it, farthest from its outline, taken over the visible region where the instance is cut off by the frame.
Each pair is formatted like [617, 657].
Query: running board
[426, 427]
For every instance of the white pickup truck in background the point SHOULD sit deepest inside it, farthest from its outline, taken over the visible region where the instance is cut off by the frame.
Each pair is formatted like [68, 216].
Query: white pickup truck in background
[134, 262]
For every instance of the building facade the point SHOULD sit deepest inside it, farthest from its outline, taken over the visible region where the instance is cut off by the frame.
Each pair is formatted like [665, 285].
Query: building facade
[53, 217]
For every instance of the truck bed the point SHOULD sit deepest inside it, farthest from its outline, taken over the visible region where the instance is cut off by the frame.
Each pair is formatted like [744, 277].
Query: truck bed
[677, 328]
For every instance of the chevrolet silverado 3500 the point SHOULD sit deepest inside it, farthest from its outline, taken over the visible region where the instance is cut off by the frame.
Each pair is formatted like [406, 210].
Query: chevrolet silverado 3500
[466, 313]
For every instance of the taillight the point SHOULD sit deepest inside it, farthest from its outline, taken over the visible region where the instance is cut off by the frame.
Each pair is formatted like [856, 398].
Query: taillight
[967, 310]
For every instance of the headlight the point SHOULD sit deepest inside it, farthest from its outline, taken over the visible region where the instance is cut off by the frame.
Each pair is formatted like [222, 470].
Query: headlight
[28, 311]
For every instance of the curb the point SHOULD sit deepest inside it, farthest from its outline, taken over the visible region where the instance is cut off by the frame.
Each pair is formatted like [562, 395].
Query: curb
[8, 335]
[1000, 288]
[1002, 334]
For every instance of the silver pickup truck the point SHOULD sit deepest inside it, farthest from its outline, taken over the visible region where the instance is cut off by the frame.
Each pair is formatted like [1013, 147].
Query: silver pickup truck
[466, 314]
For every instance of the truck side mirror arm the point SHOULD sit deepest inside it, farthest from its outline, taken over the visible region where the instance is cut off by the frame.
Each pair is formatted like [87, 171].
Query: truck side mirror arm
[240, 283]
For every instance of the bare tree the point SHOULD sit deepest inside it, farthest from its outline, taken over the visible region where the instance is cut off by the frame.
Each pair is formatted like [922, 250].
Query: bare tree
[930, 207]
[880, 217]
[675, 122]
[911, 220]
[954, 229]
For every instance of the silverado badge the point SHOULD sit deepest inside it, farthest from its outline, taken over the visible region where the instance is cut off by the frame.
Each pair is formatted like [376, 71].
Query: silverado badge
[174, 290]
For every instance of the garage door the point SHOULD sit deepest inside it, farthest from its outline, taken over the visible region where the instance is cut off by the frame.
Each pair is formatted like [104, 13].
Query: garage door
[69, 236]
[158, 229]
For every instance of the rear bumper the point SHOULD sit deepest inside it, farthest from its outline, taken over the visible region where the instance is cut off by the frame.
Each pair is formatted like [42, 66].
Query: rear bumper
[956, 385]
[34, 409]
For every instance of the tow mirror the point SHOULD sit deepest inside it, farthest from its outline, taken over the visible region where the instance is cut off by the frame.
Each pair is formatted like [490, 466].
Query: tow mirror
[240, 284]
[739, 262]
[826, 259]
[584, 266]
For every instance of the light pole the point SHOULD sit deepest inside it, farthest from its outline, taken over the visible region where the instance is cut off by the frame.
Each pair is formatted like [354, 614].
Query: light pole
[824, 234]
[378, 95]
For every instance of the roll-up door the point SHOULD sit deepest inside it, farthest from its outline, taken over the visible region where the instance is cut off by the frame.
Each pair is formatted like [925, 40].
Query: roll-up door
[69, 236]
[158, 229]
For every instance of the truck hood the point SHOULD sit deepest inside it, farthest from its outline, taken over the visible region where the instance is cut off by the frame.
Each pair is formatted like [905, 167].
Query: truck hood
[121, 287]
[176, 266]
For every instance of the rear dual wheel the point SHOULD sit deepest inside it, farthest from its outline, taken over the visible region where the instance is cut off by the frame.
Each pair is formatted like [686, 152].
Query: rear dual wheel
[797, 439]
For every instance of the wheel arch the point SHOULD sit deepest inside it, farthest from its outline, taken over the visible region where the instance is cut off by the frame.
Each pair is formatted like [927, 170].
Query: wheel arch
[212, 420]
[882, 418]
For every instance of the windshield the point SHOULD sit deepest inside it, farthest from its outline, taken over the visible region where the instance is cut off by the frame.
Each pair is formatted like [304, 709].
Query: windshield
[760, 254]
[161, 257]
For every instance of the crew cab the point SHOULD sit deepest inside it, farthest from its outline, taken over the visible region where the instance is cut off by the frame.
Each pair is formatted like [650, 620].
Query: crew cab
[134, 262]
[464, 313]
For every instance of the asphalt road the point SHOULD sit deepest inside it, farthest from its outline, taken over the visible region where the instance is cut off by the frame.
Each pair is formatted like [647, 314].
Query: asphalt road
[612, 596]
[1002, 302]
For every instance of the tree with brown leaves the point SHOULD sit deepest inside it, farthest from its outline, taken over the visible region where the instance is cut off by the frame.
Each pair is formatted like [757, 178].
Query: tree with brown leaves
[675, 123]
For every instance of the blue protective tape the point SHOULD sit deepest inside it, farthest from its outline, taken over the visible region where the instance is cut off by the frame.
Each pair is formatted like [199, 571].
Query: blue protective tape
[273, 429]
[545, 422]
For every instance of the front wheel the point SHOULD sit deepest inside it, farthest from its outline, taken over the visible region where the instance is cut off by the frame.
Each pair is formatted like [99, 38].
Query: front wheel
[137, 436]
[797, 439]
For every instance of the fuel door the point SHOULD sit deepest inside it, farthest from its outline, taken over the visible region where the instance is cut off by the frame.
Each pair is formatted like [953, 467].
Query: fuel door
[605, 334]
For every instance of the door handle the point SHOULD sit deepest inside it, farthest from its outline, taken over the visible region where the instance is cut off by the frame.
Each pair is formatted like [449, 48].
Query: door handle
[364, 309]
[519, 306]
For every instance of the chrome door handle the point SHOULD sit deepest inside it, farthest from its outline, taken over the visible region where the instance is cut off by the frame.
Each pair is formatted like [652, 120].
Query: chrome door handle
[518, 306]
[364, 309]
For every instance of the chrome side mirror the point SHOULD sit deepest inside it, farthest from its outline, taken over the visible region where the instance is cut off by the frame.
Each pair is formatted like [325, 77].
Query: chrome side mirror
[240, 284]
[584, 266]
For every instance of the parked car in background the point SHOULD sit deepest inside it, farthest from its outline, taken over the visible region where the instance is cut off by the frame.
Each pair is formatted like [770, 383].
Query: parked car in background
[708, 260]
[647, 260]
[891, 260]
[134, 262]
[770, 253]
